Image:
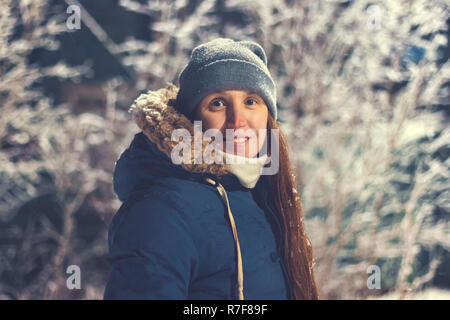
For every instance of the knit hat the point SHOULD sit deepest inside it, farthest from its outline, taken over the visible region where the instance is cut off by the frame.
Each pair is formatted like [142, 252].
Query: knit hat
[225, 64]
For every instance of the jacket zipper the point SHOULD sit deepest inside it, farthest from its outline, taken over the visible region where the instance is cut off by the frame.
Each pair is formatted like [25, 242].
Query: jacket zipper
[281, 241]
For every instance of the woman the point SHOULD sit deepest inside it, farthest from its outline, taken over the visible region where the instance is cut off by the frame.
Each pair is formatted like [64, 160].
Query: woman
[195, 229]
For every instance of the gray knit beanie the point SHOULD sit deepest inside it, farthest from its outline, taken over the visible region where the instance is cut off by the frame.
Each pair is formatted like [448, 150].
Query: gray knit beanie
[225, 64]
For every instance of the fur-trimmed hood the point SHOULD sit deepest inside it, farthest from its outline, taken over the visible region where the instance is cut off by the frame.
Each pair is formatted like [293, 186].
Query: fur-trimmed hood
[155, 114]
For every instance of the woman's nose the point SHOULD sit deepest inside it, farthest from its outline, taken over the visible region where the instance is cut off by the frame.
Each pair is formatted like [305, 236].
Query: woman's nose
[236, 118]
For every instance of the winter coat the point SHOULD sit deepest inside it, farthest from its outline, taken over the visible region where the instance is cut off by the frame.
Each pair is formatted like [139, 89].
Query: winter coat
[172, 238]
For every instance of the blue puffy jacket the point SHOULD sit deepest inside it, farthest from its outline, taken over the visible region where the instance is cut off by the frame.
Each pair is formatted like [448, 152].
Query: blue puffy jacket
[171, 238]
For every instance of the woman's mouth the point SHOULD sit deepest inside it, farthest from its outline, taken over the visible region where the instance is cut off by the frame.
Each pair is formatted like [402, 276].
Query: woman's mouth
[237, 140]
[240, 140]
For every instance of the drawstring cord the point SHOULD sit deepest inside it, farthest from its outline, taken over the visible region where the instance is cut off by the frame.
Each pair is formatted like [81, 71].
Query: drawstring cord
[240, 274]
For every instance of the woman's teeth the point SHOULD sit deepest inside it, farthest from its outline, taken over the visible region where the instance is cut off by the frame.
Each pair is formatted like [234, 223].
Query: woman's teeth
[240, 140]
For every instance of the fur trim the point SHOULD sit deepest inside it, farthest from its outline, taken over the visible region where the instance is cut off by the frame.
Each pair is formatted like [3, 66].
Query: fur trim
[156, 116]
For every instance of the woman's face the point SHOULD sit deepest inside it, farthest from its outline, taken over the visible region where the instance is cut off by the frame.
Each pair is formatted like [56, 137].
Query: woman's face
[241, 110]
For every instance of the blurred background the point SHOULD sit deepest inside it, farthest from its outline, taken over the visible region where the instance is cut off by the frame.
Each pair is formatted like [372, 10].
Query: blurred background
[363, 92]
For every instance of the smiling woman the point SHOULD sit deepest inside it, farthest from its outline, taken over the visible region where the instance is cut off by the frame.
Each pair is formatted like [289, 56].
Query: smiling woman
[196, 230]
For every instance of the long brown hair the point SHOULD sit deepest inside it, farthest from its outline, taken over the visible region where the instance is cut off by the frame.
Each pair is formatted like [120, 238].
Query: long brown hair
[297, 255]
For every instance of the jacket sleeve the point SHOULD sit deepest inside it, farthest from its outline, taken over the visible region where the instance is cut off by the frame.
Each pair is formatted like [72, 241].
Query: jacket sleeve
[152, 252]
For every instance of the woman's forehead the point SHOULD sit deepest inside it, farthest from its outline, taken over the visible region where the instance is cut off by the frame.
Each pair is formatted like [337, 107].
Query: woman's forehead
[233, 92]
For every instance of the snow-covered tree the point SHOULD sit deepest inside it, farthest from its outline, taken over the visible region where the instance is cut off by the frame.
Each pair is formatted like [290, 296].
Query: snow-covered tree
[363, 94]
[48, 153]
[361, 85]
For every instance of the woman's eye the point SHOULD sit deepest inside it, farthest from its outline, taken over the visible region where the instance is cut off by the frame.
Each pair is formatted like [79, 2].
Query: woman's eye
[217, 103]
[251, 99]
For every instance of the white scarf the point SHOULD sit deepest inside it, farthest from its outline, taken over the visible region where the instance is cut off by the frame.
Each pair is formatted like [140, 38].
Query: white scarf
[247, 170]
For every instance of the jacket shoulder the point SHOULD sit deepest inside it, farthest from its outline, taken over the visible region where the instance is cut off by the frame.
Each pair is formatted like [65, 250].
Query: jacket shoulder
[181, 192]
[167, 198]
